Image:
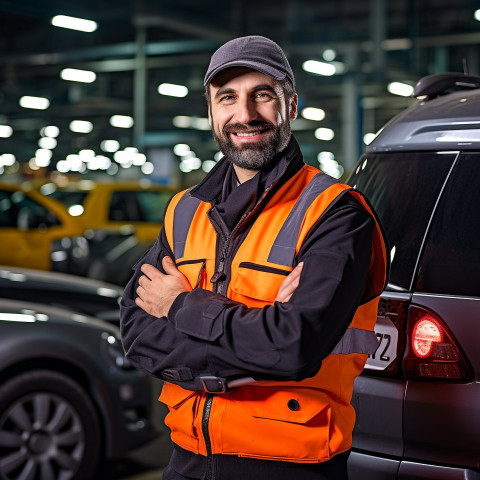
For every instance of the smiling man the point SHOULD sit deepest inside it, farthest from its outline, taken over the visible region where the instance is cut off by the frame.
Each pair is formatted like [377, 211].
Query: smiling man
[257, 303]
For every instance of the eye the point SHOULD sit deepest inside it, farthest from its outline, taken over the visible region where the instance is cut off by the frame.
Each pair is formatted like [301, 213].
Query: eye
[263, 97]
[226, 99]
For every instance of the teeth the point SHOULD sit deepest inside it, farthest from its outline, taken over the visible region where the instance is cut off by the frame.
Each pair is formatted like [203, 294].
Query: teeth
[251, 134]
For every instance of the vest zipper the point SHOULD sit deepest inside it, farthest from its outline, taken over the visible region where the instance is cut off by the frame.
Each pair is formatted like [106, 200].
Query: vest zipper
[207, 408]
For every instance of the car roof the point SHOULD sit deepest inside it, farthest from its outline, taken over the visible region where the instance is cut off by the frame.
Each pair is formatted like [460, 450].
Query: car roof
[58, 281]
[440, 120]
[36, 312]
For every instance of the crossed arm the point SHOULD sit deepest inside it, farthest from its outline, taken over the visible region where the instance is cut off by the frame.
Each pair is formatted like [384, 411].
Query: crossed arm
[157, 291]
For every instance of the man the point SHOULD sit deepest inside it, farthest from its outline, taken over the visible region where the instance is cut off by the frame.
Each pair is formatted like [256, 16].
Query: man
[257, 303]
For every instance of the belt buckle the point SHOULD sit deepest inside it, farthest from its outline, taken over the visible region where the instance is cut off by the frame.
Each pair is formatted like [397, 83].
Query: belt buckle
[213, 384]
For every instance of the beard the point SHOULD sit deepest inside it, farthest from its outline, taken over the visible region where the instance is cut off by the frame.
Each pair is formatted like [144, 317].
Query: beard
[256, 155]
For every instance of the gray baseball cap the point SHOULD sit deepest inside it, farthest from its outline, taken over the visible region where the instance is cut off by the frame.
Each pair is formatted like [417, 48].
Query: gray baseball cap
[255, 52]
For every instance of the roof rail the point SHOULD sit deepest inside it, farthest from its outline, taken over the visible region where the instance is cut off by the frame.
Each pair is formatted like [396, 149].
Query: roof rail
[438, 84]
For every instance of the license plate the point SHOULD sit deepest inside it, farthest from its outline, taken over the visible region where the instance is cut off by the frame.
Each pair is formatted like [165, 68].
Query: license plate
[387, 335]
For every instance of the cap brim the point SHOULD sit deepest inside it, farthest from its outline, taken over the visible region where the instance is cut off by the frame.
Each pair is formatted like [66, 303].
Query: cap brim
[259, 67]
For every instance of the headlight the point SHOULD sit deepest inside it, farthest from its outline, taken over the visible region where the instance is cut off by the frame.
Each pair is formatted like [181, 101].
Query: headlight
[114, 350]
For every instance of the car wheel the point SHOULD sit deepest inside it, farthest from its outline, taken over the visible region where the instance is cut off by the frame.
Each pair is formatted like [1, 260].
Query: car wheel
[49, 429]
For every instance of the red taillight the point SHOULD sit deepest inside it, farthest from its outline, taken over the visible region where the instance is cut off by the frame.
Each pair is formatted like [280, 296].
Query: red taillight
[426, 334]
[432, 351]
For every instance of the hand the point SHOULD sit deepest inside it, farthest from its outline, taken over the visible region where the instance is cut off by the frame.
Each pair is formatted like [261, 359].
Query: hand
[157, 291]
[290, 284]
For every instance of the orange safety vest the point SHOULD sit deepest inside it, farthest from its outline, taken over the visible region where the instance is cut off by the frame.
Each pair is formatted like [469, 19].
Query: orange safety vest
[307, 421]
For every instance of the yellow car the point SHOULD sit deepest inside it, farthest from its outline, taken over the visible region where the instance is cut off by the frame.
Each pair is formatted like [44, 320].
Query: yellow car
[38, 232]
[133, 209]
[139, 204]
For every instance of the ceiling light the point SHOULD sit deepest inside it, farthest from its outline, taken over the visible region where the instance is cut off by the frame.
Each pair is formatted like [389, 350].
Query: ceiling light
[75, 75]
[319, 68]
[172, 90]
[37, 103]
[50, 131]
[121, 121]
[147, 168]
[81, 126]
[8, 159]
[47, 142]
[181, 149]
[110, 146]
[74, 23]
[324, 134]
[402, 89]
[311, 113]
[6, 131]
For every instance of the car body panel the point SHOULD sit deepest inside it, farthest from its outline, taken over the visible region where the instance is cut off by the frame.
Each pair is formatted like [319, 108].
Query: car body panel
[35, 336]
[31, 247]
[421, 175]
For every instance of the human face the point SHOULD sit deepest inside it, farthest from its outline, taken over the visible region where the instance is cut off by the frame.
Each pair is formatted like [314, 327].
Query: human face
[249, 117]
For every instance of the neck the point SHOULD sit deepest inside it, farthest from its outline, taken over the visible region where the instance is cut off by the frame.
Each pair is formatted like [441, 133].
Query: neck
[244, 174]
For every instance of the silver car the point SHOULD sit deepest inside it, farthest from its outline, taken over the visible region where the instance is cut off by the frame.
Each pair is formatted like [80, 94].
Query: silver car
[418, 401]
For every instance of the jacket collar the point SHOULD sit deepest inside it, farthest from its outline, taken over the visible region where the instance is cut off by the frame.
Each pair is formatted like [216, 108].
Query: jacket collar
[211, 187]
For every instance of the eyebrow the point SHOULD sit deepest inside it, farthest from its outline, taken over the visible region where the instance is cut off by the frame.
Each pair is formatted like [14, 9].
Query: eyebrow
[257, 88]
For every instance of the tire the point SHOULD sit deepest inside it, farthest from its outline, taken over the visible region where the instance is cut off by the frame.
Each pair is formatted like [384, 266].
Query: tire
[49, 429]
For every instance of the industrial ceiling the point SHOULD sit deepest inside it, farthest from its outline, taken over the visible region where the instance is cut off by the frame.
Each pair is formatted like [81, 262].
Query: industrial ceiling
[140, 44]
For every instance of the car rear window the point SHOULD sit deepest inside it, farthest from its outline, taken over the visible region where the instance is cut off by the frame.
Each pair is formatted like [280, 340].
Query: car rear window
[451, 259]
[138, 206]
[403, 188]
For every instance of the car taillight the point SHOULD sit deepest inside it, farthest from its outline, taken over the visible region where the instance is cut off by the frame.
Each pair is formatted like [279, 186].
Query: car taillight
[432, 351]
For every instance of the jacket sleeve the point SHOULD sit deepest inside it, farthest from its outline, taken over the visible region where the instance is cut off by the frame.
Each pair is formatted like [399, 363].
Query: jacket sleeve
[207, 334]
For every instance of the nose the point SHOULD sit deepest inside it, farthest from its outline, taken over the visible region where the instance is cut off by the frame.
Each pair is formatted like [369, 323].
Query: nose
[246, 111]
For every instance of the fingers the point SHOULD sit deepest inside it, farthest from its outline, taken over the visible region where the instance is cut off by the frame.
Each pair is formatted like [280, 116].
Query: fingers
[290, 284]
[169, 266]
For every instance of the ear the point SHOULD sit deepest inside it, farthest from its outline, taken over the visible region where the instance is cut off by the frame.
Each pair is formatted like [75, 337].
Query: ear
[293, 108]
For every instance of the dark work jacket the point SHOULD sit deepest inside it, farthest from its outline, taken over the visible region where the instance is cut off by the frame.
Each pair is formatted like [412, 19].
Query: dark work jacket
[178, 343]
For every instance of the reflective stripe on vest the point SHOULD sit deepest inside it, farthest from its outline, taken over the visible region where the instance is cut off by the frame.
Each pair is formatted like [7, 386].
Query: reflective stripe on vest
[356, 340]
[182, 219]
[283, 249]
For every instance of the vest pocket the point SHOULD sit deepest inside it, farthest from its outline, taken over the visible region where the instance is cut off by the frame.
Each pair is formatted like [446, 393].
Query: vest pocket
[195, 271]
[257, 285]
[287, 423]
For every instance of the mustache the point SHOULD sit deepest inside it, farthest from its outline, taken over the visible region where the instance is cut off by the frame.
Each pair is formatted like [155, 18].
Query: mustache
[248, 127]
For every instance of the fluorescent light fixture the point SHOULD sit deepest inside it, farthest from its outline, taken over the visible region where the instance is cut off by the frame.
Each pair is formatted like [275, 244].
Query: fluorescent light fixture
[110, 146]
[324, 134]
[74, 23]
[181, 149]
[50, 131]
[6, 131]
[121, 121]
[37, 103]
[182, 121]
[8, 159]
[81, 126]
[172, 90]
[75, 75]
[329, 54]
[319, 68]
[147, 168]
[311, 113]
[47, 142]
[399, 88]
[207, 165]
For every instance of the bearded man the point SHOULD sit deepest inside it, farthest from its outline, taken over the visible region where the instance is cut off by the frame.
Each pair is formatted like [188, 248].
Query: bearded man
[257, 303]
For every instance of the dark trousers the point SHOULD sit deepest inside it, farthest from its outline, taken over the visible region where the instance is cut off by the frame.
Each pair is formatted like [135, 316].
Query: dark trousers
[230, 467]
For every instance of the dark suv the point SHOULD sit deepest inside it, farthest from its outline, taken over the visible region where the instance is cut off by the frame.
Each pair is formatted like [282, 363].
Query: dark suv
[418, 401]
